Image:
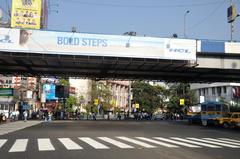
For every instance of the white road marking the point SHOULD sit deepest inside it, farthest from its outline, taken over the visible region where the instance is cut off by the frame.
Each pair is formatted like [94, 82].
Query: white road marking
[93, 143]
[196, 143]
[69, 144]
[2, 142]
[157, 142]
[20, 145]
[136, 142]
[116, 143]
[215, 143]
[177, 142]
[45, 145]
[228, 142]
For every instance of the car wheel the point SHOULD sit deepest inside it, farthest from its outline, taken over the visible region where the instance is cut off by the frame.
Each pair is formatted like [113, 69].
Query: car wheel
[204, 123]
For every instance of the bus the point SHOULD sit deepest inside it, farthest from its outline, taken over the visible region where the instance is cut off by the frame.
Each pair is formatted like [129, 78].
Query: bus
[212, 110]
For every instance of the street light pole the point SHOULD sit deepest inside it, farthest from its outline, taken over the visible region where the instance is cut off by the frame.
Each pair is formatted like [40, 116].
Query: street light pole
[184, 25]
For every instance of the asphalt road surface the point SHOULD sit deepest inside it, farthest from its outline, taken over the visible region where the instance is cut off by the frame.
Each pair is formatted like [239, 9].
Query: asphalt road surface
[120, 140]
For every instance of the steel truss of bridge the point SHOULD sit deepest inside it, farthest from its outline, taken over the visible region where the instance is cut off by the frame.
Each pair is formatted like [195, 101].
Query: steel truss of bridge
[35, 64]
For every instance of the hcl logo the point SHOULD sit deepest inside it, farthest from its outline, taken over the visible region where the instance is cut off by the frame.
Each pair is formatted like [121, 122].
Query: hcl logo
[179, 50]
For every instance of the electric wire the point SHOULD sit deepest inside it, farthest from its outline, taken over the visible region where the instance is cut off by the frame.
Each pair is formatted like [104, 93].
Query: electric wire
[207, 17]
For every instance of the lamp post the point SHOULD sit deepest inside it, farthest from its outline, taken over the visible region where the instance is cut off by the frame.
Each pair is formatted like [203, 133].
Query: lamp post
[184, 23]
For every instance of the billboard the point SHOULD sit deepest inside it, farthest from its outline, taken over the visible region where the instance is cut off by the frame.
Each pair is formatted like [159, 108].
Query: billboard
[231, 13]
[26, 14]
[6, 92]
[49, 91]
[50, 42]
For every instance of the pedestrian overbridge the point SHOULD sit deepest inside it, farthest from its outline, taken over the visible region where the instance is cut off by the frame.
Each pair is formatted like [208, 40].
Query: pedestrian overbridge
[48, 53]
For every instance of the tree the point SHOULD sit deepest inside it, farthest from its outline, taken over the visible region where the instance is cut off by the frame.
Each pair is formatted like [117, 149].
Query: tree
[147, 96]
[179, 91]
[64, 82]
[71, 101]
[101, 91]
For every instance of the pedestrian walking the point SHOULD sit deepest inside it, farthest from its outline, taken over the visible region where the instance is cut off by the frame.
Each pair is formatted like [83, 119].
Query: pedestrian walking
[25, 114]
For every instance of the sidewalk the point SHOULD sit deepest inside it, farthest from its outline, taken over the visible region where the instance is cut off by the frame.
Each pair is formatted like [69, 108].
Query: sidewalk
[9, 127]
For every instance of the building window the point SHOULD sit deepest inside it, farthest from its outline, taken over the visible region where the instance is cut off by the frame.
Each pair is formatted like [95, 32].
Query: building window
[204, 92]
[219, 91]
[225, 90]
[199, 92]
[213, 91]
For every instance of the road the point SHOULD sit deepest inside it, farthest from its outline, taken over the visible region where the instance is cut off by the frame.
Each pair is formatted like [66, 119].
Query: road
[120, 140]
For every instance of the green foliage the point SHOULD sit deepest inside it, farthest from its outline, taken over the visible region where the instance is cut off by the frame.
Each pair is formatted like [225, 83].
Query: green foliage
[64, 82]
[101, 91]
[149, 97]
[179, 91]
[71, 101]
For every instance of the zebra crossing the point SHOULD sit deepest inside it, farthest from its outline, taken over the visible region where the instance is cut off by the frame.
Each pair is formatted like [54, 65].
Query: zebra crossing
[122, 142]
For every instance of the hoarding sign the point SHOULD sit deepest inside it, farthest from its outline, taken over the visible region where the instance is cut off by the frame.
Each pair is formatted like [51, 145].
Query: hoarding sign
[182, 102]
[231, 13]
[26, 14]
[50, 42]
[6, 92]
[49, 91]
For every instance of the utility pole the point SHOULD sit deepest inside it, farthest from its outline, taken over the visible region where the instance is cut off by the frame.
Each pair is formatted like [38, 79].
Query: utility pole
[129, 98]
[232, 23]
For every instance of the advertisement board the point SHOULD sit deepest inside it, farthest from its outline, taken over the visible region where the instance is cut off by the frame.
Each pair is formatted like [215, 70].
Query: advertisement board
[6, 92]
[49, 91]
[67, 43]
[26, 14]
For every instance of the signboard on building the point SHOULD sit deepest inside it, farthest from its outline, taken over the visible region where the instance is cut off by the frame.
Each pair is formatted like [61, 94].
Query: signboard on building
[49, 91]
[182, 102]
[49, 42]
[6, 92]
[26, 14]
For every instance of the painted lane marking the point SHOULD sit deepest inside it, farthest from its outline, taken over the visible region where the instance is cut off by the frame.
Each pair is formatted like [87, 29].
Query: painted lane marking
[93, 143]
[177, 142]
[136, 142]
[20, 145]
[69, 144]
[45, 145]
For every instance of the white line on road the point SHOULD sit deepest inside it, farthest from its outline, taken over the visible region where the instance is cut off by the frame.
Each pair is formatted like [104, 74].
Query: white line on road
[45, 145]
[2, 142]
[93, 143]
[116, 143]
[20, 145]
[136, 142]
[157, 142]
[69, 144]
[177, 142]
[215, 143]
[228, 142]
[196, 143]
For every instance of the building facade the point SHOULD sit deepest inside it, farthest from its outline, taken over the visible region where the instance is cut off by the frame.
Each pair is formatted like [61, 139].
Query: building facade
[229, 92]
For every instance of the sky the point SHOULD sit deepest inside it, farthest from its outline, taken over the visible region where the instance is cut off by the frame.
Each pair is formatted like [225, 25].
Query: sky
[207, 19]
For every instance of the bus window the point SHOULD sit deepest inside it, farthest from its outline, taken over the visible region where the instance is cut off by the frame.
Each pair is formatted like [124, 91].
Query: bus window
[218, 107]
[211, 108]
[203, 108]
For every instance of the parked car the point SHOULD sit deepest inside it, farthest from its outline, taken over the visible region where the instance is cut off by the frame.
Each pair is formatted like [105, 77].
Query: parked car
[158, 116]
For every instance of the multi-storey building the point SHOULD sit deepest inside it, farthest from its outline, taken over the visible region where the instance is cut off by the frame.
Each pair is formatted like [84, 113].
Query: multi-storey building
[230, 92]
